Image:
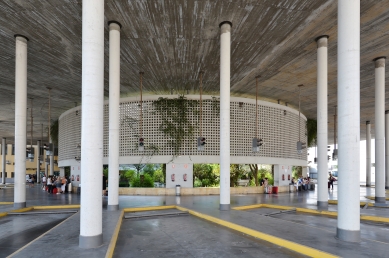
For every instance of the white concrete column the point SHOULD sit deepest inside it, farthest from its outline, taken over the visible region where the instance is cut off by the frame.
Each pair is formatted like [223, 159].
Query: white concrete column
[225, 63]
[322, 121]
[348, 223]
[387, 149]
[368, 154]
[92, 123]
[20, 121]
[51, 157]
[114, 121]
[3, 158]
[379, 126]
[45, 163]
[38, 165]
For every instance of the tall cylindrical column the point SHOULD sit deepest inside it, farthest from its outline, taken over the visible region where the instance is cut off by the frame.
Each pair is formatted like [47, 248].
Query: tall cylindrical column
[51, 157]
[348, 223]
[225, 63]
[38, 165]
[387, 149]
[322, 118]
[114, 122]
[368, 154]
[45, 163]
[379, 127]
[92, 123]
[3, 156]
[20, 121]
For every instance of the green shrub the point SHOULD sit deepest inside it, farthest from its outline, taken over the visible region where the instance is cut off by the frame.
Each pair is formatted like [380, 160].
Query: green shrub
[124, 184]
[129, 175]
[197, 183]
[147, 181]
[158, 176]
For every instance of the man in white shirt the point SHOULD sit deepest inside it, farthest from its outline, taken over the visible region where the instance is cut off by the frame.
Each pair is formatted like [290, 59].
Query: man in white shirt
[44, 182]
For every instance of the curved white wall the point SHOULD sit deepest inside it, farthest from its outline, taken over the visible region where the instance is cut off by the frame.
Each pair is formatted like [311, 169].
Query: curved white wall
[278, 127]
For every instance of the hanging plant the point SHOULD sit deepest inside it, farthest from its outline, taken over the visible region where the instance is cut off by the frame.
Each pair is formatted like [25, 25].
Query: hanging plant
[54, 132]
[175, 119]
[311, 131]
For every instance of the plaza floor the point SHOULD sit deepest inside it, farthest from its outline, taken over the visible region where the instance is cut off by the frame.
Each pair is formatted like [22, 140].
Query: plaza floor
[46, 232]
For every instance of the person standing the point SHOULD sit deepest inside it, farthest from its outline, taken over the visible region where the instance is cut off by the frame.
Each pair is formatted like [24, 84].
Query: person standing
[331, 181]
[49, 184]
[44, 182]
[63, 184]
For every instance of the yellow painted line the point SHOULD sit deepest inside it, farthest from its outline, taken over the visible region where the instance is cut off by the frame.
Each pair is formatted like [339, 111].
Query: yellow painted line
[317, 212]
[53, 207]
[248, 207]
[23, 209]
[370, 204]
[308, 251]
[17, 251]
[375, 219]
[6, 203]
[373, 198]
[280, 207]
[112, 244]
[3, 214]
[150, 208]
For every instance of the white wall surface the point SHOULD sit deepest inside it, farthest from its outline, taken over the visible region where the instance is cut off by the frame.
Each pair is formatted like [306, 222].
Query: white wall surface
[280, 170]
[179, 170]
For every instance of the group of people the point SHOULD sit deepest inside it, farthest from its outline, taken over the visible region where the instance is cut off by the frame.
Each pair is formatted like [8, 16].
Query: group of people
[303, 182]
[55, 182]
[30, 180]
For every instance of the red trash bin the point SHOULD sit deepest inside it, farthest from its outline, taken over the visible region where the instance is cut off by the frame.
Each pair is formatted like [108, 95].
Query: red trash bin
[275, 189]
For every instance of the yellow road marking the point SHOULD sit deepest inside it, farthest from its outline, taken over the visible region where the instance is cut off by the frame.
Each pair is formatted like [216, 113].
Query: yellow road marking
[305, 210]
[23, 209]
[54, 207]
[17, 251]
[308, 251]
[151, 208]
[6, 203]
[112, 243]
[373, 198]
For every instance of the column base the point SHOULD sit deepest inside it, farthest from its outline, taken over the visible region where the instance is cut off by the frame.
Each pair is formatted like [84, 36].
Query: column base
[386, 187]
[380, 199]
[90, 241]
[367, 185]
[348, 235]
[19, 205]
[113, 207]
[224, 207]
[322, 205]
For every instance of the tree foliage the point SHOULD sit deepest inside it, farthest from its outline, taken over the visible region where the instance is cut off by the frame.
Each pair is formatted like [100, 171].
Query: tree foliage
[54, 132]
[206, 175]
[238, 171]
[146, 182]
[311, 131]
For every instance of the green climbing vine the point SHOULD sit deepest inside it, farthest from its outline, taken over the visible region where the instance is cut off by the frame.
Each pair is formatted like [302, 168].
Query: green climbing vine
[311, 131]
[176, 123]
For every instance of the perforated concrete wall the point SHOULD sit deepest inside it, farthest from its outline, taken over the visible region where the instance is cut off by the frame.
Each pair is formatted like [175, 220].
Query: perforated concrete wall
[278, 126]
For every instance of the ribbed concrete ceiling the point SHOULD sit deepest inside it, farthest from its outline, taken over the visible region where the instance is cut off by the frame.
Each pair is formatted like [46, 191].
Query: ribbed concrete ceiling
[171, 41]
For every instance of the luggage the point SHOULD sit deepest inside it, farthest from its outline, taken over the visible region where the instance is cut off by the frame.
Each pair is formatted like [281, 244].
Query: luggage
[55, 190]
